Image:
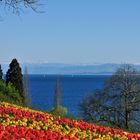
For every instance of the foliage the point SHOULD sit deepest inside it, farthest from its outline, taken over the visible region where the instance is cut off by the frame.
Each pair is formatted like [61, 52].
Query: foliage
[14, 76]
[9, 94]
[23, 123]
[59, 111]
[118, 104]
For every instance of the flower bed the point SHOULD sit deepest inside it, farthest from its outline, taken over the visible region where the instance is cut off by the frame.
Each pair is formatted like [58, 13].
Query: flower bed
[17, 123]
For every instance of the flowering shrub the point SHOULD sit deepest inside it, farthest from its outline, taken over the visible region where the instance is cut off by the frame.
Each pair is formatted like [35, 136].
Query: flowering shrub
[17, 123]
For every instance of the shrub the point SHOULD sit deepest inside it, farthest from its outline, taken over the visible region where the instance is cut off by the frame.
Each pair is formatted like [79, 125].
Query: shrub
[9, 94]
[59, 111]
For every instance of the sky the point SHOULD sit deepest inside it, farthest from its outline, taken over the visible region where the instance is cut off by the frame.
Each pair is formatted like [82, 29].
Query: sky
[73, 31]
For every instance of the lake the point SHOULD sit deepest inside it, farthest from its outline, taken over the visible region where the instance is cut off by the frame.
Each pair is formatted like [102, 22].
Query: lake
[73, 89]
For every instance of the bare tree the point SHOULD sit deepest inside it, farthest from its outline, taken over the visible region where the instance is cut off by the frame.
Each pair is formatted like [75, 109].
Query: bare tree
[17, 5]
[118, 103]
[123, 90]
[91, 107]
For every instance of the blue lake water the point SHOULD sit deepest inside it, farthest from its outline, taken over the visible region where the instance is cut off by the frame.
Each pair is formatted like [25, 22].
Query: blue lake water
[73, 90]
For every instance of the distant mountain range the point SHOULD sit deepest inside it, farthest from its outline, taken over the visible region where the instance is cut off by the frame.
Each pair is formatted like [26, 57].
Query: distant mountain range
[72, 69]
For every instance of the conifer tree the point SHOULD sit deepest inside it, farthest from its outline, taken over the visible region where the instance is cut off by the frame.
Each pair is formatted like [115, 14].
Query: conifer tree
[1, 73]
[57, 94]
[26, 88]
[15, 77]
[58, 109]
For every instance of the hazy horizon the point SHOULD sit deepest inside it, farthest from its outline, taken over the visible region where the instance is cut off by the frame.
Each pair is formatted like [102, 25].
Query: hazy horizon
[70, 69]
[65, 63]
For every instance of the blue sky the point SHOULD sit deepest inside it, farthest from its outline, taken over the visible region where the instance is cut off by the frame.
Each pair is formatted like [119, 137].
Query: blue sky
[74, 31]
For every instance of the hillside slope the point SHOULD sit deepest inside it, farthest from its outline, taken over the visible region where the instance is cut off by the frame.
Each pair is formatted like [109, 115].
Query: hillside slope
[18, 123]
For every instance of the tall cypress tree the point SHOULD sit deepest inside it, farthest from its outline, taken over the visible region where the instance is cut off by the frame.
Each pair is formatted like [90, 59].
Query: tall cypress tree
[57, 94]
[27, 94]
[1, 74]
[58, 109]
[14, 76]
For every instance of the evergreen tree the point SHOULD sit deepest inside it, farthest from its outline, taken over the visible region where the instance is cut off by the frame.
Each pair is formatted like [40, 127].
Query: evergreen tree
[27, 94]
[15, 77]
[58, 109]
[57, 94]
[1, 74]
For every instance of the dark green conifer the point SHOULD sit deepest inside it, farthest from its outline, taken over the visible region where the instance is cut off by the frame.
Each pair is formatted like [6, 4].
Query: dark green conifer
[1, 73]
[15, 77]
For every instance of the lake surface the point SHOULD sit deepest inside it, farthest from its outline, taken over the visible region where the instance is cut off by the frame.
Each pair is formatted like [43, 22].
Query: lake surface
[73, 90]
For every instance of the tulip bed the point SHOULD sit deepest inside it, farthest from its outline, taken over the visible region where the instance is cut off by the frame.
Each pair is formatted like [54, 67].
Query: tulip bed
[18, 123]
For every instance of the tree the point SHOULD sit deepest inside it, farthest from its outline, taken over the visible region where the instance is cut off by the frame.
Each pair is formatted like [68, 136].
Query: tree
[58, 109]
[1, 73]
[17, 5]
[15, 77]
[57, 94]
[26, 88]
[92, 109]
[123, 90]
[118, 103]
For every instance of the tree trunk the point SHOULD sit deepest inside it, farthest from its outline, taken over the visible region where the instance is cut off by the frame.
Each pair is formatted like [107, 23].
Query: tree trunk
[126, 112]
